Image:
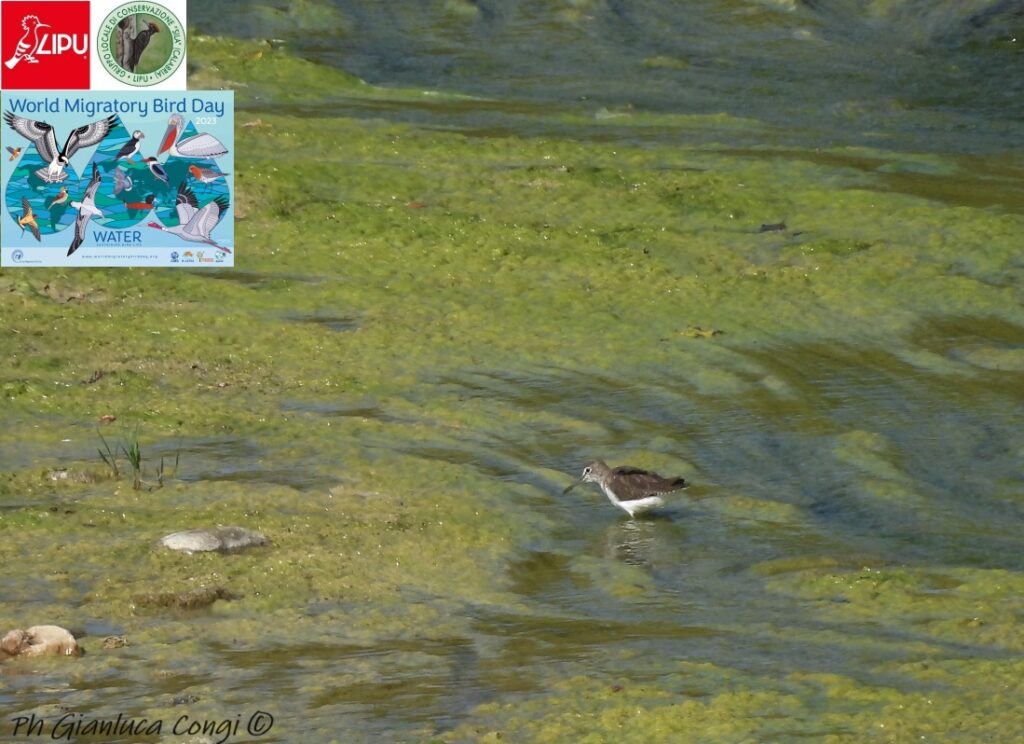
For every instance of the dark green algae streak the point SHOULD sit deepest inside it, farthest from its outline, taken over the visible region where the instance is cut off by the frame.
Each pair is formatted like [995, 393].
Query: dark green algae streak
[426, 333]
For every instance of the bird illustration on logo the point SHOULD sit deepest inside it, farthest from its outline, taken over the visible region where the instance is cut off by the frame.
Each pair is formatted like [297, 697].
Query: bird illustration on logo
[29, 43]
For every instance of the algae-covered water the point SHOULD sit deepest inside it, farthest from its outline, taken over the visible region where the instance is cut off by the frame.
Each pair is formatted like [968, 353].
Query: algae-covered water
[480, 244]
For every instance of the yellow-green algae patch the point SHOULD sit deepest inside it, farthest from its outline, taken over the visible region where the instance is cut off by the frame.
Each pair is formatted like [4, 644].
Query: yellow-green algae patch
[402, 466]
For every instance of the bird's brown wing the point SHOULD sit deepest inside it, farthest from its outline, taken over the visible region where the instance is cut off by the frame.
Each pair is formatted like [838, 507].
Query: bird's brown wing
[26, 207]
[35, 231]
[636, 483]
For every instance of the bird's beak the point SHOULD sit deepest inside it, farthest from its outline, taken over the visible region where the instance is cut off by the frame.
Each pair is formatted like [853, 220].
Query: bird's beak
[569, 488]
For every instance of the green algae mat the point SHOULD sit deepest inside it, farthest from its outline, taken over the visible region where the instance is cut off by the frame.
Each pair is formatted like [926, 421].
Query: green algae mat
[430, 333]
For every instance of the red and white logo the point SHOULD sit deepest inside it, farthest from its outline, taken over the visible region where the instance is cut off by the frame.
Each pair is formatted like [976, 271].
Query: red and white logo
[44, 45]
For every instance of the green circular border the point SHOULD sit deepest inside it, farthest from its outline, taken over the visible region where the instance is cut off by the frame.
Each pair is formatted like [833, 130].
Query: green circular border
[105, 30]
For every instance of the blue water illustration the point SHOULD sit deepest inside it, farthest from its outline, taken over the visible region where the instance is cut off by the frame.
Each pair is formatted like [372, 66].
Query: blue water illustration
[51, 202]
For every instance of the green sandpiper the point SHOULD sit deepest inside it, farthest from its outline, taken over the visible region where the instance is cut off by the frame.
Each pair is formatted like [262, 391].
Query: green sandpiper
[633, 490]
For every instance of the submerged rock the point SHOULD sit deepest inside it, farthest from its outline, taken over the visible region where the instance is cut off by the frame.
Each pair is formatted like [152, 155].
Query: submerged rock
[223, 539]
[190, 600]
[39, 640]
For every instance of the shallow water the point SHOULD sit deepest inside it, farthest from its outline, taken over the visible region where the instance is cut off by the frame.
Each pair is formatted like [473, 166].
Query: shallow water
[432, 335]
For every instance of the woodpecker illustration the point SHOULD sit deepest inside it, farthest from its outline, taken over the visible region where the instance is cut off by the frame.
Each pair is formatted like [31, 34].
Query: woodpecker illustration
[139, 44]
[28, 44]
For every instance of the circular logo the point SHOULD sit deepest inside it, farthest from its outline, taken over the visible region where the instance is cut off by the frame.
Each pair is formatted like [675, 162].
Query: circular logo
[141, 43]
[17, 256]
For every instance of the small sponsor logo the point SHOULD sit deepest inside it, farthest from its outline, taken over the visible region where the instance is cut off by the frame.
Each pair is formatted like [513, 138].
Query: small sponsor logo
[17, 256]
[141, 43]
[174, 257]
[44, 46]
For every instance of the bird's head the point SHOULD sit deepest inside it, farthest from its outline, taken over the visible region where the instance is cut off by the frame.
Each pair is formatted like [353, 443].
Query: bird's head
[138, 135]
[63, 159]
[153, 28]
[591, 474]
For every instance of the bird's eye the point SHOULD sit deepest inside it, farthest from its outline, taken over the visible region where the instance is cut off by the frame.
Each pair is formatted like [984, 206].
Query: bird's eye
[586, 471]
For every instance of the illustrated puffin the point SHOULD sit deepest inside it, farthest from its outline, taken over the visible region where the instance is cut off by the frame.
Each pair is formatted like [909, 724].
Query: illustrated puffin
[131, 147]
[41, 135]
[139, 44]
[28, 219]
[156, 169]
[199, 146]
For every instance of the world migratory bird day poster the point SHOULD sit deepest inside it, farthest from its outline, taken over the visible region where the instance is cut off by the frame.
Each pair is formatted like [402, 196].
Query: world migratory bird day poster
[117, 179]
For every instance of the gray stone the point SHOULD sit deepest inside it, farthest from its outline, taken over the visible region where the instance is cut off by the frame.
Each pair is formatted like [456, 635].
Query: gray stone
[223, 539]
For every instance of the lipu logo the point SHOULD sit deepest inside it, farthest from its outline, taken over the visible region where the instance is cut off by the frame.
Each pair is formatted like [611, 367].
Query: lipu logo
[44, 45]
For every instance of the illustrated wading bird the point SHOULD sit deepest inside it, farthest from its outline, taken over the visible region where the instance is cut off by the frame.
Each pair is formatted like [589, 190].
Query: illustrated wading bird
[87, 209]
[199, 146]
[205, 175]
[195, 224]
[156, 169]
[633, 490]
[130, 147]
[15, 152]
[139, 44]
[122, 181]
[41, 135]
[28, 219]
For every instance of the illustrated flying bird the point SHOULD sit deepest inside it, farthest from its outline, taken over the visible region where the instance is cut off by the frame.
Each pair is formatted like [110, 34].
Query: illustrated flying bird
[199, 146]
[41, 135]
[205, 175]
[139, 44]
[87, 209]
[195, 223]
[15, 152]
[28, 219]
[131, 147]
[122, 181]
[157, 170]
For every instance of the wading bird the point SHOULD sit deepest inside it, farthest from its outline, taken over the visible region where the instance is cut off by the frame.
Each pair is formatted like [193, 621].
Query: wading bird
[633, 490]
[195, 224]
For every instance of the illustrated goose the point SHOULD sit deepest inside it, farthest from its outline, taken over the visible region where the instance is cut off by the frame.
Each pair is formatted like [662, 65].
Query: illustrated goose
[195, 224]
[87, 209]
[41, 135]
[197, 146]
